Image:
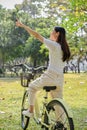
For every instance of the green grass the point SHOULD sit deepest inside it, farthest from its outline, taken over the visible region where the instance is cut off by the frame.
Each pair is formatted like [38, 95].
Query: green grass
[75, 94]
[11, 92]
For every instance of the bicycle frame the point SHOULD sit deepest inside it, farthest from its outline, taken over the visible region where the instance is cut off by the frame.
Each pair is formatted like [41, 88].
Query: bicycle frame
[39, 119]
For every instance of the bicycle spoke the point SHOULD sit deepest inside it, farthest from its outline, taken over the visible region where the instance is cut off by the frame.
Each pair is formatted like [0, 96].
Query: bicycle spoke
[57, 117]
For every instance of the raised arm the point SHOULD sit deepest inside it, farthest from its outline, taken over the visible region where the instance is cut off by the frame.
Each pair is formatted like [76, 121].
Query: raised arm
[30, 31]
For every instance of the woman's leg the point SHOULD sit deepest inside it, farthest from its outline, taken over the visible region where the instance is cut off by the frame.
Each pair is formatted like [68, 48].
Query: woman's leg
[31, 98]
[33, 88]
[44, 80]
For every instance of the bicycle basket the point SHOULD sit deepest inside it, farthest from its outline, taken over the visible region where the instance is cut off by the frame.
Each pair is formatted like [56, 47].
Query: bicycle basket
[25, 79]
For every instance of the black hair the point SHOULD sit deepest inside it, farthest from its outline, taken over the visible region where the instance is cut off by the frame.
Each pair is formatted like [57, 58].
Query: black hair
[62, 41]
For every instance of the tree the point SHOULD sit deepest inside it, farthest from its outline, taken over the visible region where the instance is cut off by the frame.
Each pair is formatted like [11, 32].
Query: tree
[42, 16]
[4, 33]
[11, 38]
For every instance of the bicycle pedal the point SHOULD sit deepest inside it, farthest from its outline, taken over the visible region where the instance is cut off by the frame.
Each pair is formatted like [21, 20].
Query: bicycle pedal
[39, 121]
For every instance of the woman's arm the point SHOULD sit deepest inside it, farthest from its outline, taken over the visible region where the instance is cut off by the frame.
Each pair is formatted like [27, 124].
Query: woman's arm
[30, 31]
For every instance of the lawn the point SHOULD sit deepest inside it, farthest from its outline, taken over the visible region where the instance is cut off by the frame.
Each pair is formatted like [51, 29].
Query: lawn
[75, 94]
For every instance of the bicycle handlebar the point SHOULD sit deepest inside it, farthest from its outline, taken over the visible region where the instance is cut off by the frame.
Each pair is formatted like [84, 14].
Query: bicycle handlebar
[38, 69]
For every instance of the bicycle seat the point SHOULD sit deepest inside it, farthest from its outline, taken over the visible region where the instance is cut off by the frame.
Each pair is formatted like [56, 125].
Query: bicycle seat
[49, 88]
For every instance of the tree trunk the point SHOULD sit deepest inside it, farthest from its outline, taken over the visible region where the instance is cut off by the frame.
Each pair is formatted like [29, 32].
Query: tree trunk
[35, 63]
[78, 65]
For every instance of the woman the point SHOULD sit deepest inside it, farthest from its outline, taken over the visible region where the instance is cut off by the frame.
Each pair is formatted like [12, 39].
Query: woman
[58, 53]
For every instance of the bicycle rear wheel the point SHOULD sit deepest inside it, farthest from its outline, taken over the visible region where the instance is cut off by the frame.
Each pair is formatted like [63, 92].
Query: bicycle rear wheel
[57, 117]
[24, 119]
[32, 123]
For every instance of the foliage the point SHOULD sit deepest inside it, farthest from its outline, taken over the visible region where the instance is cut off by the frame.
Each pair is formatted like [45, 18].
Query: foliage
[42, 16]
[31, 49]
[11, 38]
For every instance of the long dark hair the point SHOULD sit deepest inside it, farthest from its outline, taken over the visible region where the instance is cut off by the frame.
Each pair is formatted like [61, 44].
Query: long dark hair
[62, 41]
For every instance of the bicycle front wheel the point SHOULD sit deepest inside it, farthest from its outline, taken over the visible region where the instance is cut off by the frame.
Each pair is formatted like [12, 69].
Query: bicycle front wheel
[24, 119]
[26, 122]
[57, 117]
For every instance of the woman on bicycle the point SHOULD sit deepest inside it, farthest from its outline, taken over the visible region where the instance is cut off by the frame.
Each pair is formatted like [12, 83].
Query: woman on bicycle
[58, 53]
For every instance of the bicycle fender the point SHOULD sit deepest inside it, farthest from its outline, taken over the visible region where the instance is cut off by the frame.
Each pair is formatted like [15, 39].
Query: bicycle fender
[67, 108]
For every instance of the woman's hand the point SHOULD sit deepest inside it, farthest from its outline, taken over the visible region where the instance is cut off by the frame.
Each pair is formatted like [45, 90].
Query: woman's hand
[19, 24]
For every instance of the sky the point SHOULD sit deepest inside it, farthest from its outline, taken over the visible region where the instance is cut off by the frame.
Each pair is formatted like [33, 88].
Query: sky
[9, 4]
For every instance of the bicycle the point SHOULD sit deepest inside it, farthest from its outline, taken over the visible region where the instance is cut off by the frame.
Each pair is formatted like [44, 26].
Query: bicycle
[55, 114]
